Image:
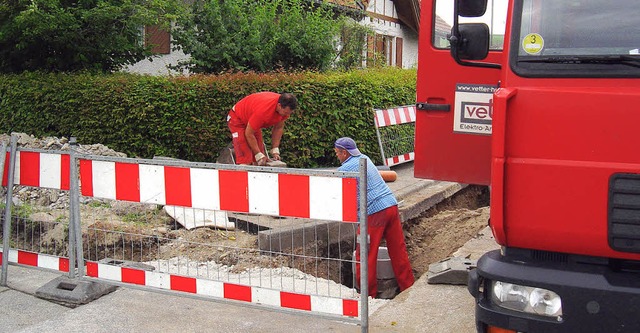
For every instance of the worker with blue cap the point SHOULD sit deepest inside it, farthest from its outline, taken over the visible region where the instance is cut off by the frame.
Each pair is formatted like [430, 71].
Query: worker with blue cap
[383, 219]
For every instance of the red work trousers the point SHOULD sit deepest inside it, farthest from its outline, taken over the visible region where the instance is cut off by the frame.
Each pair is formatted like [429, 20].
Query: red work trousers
[243, 152]
[386, 224]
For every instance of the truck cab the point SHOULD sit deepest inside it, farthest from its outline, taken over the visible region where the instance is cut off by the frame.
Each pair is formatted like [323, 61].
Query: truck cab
[537, 99]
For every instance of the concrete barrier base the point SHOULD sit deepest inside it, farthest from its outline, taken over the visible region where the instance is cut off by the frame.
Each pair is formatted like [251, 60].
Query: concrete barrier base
[454, 270]
[73, 292]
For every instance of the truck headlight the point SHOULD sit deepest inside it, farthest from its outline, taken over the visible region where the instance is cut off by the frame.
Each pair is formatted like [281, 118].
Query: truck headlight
[527, 299]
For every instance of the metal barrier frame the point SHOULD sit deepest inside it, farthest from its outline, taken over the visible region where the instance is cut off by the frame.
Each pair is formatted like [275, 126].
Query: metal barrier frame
[391, 117]
[77, 267]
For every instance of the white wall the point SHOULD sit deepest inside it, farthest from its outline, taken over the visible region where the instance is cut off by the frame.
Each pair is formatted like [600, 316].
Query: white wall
[159, 65]
[380, 26]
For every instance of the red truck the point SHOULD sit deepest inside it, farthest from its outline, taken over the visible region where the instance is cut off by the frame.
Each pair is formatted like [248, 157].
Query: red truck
[537, 99]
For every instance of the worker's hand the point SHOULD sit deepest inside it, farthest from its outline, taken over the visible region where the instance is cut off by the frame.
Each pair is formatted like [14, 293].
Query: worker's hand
[275, 154]
[261, 159]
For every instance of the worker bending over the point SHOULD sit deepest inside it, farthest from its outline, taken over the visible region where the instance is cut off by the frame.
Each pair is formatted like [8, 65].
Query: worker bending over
[253, 113]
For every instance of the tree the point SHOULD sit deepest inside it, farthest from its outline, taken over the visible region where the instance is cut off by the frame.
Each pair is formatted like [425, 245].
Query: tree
[352, 50]
[259, 35]
[74, 35]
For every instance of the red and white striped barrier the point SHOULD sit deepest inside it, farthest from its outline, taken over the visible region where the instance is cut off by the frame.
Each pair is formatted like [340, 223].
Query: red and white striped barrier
[230, 291]
[37, 260]
[280, 194]
[210, 288]
[39, 170]
[395, 116]
[394, 160]
[314, 197]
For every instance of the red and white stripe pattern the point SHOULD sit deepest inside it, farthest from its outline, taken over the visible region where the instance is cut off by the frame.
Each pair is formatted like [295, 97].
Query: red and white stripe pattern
[218, 289]
[395, 116]
[39, 170]
[231, 291]
[390, 161]
[37, 260]
[314, 197]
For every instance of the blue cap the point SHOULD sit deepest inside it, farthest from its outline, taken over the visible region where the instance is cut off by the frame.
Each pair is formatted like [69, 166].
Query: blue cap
[349, 145]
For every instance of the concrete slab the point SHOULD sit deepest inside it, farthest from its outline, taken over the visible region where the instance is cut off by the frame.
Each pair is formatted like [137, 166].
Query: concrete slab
[282, 239]
[427, 308]
[454, 270]
[477, 246]
[191, 218]
[406, 184]
[26, 281]
[19, 311]
[254, 223]
[434, 308]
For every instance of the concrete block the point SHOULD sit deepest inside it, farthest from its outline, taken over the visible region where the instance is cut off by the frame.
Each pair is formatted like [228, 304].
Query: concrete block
[73, 292]
[287, 238]
[454, 270]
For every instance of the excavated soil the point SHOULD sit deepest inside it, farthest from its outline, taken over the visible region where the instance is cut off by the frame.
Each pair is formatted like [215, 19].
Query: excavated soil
[145, 233]
[440, 231]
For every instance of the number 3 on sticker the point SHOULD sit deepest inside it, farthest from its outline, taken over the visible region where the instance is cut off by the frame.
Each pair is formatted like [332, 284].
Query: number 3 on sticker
[532, 43]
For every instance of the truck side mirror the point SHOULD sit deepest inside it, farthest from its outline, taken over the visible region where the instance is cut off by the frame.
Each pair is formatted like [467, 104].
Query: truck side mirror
[472, 42]
[472, 8]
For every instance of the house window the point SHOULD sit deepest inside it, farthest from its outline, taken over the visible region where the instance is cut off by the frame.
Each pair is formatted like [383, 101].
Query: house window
[158, 38]
[380, 50]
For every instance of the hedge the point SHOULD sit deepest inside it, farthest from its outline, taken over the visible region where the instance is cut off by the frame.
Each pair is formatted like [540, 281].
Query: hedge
[185, 117]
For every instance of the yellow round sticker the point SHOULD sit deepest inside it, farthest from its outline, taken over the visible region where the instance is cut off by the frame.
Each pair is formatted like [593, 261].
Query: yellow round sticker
[533, 43]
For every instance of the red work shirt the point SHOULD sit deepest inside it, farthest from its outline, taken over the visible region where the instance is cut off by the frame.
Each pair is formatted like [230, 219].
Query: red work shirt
[258, 110]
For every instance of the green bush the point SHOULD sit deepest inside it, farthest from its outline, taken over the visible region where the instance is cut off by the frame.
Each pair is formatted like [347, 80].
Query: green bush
[257, 35]
[185, 117]
[66, 36]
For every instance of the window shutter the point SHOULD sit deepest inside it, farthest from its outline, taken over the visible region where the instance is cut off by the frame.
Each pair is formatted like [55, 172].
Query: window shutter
[399, 52]
[159, 39]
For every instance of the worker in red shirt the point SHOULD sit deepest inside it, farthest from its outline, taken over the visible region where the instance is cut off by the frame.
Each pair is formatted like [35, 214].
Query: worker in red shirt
[253, 113]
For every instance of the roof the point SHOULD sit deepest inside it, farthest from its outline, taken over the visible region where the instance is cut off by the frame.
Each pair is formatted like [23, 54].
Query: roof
[409, 13]
[408, 10]
[442, 26]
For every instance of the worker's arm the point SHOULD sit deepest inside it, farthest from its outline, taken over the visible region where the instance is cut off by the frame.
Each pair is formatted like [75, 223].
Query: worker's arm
[276, 135]
[250, 136]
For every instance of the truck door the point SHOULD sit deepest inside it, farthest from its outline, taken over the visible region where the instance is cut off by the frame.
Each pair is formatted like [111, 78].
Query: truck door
[453, 120]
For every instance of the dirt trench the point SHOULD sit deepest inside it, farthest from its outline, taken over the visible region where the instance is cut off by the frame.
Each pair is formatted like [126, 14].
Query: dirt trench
[438, 232]
[430, 237]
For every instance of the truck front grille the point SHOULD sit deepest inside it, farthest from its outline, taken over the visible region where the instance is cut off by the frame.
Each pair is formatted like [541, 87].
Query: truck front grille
[624, 212]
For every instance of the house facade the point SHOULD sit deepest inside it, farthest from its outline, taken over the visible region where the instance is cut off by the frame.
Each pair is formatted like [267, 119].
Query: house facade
[395, 23]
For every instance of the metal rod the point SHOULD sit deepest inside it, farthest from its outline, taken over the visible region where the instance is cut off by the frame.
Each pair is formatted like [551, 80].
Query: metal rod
[364, 247]
[6, 228]
[74, 194]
